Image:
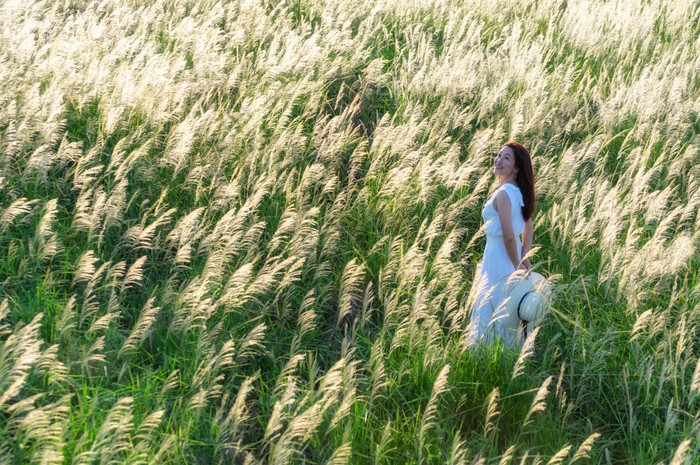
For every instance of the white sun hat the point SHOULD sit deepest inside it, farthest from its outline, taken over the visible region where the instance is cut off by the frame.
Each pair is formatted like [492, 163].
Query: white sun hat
[526, 295]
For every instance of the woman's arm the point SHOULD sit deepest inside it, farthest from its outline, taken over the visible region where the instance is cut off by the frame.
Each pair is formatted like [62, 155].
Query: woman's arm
[502, 205]
[528, 232]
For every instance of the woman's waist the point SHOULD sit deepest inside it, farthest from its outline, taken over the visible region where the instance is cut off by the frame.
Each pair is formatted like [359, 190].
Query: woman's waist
[492, 239]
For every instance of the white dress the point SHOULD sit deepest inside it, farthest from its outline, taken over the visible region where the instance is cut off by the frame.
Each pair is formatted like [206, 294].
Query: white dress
[485, 325]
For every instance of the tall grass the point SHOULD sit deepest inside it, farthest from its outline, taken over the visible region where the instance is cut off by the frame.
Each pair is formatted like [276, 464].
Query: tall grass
[245, 232]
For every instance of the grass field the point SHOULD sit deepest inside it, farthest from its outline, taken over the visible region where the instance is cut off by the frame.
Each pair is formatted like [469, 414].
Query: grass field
[246, 231]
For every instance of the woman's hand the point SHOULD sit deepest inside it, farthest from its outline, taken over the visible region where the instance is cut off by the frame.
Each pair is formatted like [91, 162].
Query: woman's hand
[525, 265]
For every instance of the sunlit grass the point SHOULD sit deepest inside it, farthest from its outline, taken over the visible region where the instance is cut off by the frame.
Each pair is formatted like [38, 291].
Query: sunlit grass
[245, 232]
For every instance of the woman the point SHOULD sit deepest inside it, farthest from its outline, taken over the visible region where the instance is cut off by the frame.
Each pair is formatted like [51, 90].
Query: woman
[507, 215]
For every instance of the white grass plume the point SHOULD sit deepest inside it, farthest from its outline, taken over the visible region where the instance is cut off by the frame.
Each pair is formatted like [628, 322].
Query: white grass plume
[349, 393]
[306, 322]
[143, 438]
[252, 344]
[300, 429]
[640, 323]
[212, 362]
[538, 403]
[434, 351]
[166, 446]
[458, 451]
[94, 354]
[350, 290]
[382, 447]
[17, 208]
[279, 411]
[86, 267]
[142, 328]
[112, 438]
[66, 321]
[695, 381]
[82, 216]
[46, 427]
[267, 279]
[560, 456]
[442, 260]
[430, 413]
[679, 456]
[102, 323]
[585, 448]
[142, 237]
[4, 311]
[508, 455]
[306, 235]
[135, 273]
[186, 314]
[286, 226]
[378, 376]
[491, 412]
[233, 294]
[525, 352]
[287, 373]
[187, 229]
[18, 353]
[341, 455]
[239, 413]
[46, 240]
[171, 382]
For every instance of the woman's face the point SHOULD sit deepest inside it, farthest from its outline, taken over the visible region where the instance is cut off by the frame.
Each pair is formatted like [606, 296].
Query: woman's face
[504, 163]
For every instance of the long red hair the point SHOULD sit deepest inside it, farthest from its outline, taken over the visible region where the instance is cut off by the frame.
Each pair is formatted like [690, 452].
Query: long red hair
[525, 177]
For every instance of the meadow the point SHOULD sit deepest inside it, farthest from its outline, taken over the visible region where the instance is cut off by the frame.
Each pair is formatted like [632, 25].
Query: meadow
[246, 231]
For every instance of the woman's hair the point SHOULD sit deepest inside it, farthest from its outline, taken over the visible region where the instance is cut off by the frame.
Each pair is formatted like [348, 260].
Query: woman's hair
[525, 177]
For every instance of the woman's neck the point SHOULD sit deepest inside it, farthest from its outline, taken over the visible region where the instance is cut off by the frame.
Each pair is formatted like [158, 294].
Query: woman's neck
[502, 182]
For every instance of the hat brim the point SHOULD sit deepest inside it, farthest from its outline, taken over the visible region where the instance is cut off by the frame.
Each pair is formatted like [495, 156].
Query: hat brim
[524, 289]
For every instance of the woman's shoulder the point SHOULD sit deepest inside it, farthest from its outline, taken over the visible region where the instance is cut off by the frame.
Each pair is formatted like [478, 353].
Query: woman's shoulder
[513, 187]
[514, 190]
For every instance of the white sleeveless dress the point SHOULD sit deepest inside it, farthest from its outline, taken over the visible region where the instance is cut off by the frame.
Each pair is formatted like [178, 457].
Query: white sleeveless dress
[485, 325]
